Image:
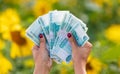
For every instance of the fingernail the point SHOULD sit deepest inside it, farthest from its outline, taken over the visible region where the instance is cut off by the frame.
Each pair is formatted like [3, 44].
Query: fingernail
[38, 46]
[41, 36]
[69, 35]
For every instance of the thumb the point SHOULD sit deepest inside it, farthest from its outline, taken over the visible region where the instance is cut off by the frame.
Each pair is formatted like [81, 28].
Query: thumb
[42, 41]
[71, 40]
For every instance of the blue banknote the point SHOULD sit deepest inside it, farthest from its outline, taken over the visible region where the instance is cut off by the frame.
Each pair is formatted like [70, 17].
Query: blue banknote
[56, 19]
[63, 47]
[45, 22]
[33, 32]
[54, 26]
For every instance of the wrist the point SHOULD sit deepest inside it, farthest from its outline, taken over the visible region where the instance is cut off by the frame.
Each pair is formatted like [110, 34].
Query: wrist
[41, 68]
[80, 67]
[78, 60]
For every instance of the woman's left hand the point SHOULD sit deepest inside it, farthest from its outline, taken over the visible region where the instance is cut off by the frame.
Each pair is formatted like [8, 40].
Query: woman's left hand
[43, 62]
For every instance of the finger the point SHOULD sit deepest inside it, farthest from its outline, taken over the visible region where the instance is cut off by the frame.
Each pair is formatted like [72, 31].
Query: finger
[88, 45]
[50, 63]
[42, 41]
[35, 49]
[71, 40]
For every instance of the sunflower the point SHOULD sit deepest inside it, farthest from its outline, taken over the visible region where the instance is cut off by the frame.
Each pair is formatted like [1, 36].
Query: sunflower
[8, 18]
[93, 66]
[5, 65]
[113, 33]
[11, 30]
[41, 7]
[21, 46]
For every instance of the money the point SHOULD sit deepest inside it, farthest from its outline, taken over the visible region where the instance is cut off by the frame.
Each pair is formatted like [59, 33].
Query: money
[79, 33]
[57, 18]
[54, 26]
[33, 32]
[45, 22]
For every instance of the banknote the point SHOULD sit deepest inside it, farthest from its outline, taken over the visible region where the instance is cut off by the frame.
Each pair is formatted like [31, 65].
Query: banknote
[83, 25]
[62, 31]
[70, 25]
[33, 32]
[63, 47]
[35, 29]
[44, 23]
[66, 27]
[54, 26]
[79, 32]
[63, 51]
[56, 19]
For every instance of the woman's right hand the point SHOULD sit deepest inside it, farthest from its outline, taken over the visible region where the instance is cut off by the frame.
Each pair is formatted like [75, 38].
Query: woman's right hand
[79, 55]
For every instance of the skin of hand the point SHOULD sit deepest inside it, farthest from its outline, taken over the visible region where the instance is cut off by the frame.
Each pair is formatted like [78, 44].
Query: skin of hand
[79, 55]
[42, 61]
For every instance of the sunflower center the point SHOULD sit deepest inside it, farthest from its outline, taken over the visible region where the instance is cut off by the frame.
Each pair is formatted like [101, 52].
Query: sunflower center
[88, 66]
[17, 38]
[43, 10]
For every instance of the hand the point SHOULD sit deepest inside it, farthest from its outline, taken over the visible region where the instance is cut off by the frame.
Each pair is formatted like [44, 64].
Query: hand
[43, 62]
[79, 55]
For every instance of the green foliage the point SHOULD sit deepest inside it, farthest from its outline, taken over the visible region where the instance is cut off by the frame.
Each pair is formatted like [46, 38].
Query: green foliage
[98, 18]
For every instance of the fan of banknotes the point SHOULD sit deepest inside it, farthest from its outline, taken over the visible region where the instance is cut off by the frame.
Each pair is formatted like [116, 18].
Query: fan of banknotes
[54, 26]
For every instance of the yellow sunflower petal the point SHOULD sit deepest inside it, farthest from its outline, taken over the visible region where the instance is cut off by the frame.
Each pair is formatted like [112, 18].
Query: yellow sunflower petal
[3, 26]
[113, 33]
[16, 27]
[15, 51]
[5, 65]
[12, 16]
[6, 35]
[26, 51]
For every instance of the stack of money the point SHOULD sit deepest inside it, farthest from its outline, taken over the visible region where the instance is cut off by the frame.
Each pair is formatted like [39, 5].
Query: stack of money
[54, 26]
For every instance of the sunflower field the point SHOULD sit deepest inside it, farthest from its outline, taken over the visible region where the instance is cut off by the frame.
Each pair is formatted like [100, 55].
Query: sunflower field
[101, 16]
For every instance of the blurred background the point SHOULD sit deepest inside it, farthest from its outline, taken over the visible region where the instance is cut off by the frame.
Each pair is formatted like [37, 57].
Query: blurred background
[101, 16]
